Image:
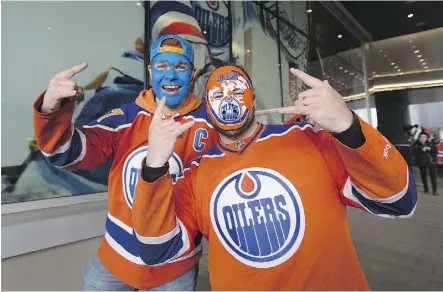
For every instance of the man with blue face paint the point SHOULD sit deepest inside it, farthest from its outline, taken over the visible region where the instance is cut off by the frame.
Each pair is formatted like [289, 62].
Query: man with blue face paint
[125, 258]
[171, 70]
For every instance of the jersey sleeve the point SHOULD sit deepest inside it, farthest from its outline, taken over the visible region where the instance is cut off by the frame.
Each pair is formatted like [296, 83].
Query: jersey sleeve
[374, 177]
[66, 145]
[164, 219]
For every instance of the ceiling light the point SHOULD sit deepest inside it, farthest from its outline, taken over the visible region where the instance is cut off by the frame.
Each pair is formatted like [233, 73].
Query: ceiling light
[396, 67]
[346, 71]
[423, 63]
[419, 56]
[426, 67]
[339, 36]
[205, 32]
[410, 15]
[352, 73]
[416, 84]
[248, 51]
[392, 63]
[340, 68]
[385, 56]
[422, 60]
[380, 50]
[410, 41]
[417, 51]
[139, 4]
[309, 11]
[398, 70]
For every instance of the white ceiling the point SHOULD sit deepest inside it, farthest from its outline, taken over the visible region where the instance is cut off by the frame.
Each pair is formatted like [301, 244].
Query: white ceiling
[408, 53]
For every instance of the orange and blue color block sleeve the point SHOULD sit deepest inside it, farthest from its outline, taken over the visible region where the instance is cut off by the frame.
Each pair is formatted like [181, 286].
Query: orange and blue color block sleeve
[66, 145]
[374, 177]
[164, 220]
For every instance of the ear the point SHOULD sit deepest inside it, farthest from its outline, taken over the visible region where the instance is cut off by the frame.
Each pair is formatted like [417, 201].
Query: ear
[193, 74]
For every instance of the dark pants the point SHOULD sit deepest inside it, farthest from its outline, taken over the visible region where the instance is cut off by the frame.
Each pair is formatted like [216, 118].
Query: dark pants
[424, 178]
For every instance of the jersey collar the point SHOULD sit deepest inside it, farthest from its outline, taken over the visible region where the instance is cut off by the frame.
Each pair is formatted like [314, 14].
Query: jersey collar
[240, 146]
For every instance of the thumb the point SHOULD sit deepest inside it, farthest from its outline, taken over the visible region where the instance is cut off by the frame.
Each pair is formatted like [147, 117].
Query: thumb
[292, 110]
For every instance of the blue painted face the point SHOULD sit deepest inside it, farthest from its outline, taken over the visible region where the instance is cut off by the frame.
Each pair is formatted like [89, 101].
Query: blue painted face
[171, 77]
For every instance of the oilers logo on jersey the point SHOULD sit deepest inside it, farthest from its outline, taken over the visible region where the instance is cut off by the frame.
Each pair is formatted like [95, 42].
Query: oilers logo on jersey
[258, 216]
[132, 168]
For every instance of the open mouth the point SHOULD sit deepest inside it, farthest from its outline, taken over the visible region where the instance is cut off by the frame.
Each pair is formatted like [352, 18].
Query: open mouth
[171, 89]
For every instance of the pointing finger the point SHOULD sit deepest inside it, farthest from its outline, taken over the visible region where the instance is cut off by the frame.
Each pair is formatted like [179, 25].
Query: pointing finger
[288, 110]
[71, 71]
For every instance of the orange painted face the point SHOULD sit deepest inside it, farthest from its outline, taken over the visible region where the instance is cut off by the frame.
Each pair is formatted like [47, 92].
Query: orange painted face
[229, 97]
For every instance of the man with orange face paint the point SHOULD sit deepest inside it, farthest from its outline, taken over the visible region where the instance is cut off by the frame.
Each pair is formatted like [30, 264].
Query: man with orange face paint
[230, 101]
[270, 224]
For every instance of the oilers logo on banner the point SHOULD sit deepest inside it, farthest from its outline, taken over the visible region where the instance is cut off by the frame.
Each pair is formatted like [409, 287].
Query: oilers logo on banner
[258, 216]
[132, 168]
[230, 109]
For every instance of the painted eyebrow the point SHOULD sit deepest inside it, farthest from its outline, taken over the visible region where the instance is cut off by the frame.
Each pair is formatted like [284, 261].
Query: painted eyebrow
[218, 92]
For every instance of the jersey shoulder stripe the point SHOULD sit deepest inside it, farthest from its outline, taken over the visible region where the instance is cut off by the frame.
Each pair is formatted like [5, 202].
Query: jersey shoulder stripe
[118, 118]
[281, 130]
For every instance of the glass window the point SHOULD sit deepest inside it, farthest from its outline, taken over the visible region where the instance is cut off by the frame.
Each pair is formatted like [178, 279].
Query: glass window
[321, 45]
[294, 46]
[255, 48]
[40, 39]
[268, 38]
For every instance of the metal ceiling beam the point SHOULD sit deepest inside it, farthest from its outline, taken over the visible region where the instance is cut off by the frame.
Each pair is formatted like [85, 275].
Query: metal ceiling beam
[346, 18]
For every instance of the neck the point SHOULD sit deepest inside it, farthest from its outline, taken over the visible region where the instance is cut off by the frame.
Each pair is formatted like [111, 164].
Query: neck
[248, 133]
[170, 111]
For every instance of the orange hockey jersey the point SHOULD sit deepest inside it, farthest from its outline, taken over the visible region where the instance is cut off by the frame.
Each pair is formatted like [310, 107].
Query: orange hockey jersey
[273, 207]
[123, 132]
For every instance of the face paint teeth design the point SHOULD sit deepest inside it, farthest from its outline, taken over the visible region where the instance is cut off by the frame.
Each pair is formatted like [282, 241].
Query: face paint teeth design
[230, 98]
[171, 88]
[230, 110]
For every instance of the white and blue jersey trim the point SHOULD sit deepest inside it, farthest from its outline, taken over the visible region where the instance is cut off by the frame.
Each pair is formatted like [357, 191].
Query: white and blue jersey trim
[281, 130]
[74, 150]
[400, 205]
[149, 251]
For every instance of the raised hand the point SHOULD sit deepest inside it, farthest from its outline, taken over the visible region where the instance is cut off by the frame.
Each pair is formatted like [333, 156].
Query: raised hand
[323, 105]
[61, 87]
[162, 136]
